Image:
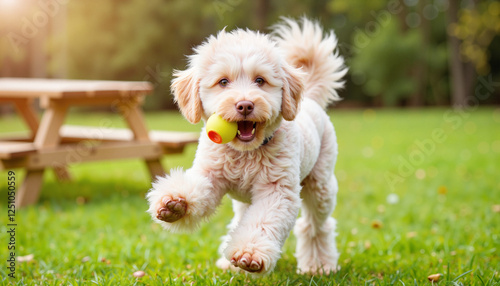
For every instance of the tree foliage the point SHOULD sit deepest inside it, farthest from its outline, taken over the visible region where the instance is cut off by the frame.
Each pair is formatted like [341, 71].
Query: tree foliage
[476, 28]
[397, 50]
[386, 69]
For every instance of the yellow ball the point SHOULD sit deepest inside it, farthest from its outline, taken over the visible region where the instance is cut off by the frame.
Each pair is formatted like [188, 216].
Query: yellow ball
[219, 130]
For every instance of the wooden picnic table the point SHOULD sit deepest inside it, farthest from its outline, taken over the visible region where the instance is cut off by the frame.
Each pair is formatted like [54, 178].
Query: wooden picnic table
[54, 145]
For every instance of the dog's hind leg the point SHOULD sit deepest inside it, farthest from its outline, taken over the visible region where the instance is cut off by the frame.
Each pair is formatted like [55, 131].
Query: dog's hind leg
[316, 250]
[238, 209]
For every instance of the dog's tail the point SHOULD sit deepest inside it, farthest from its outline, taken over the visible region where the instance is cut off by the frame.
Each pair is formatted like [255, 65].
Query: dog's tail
[305, 47]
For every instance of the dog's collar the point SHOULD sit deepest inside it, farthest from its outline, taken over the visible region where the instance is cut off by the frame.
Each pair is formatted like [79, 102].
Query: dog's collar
[267, 140]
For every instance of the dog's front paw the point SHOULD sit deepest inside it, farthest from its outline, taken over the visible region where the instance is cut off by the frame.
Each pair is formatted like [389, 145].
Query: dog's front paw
[181, 200]
[170, 209]
[253, 251]
[248, 262]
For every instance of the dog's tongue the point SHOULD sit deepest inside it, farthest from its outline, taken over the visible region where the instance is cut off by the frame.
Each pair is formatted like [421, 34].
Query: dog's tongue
[245, 129]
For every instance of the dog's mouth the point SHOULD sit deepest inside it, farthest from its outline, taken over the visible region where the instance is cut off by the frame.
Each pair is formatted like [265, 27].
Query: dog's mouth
[246, 130]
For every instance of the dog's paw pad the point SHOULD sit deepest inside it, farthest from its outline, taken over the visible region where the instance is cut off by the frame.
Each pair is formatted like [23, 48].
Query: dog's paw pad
[171, 209]
[248, 263]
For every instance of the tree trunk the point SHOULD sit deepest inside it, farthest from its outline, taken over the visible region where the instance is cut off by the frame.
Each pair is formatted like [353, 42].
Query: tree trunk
[418, 97]
[58, 29]
[461, 74]
[38, 58]
[261, 13]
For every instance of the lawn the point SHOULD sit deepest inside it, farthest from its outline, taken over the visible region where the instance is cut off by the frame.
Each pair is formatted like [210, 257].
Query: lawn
[419, 195]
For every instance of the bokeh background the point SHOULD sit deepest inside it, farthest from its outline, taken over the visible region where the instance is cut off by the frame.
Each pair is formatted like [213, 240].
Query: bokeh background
[411, 203]
[402, 53]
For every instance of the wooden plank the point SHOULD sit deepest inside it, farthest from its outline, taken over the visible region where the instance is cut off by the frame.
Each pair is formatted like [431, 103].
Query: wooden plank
[92, 151]
[28, 113]
[62, 88]
[72, 133]
[155, 168]
[135, 120]
[113, 100]
[62, 173]
[9, 150]
[29, 191]
[172, 150]
[173, 139]
[13, 163]
[48, 134]
[52, 120]
[21, 136]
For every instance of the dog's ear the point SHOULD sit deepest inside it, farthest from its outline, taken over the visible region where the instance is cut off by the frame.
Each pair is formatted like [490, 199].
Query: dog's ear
[292, 92]
[186, 90]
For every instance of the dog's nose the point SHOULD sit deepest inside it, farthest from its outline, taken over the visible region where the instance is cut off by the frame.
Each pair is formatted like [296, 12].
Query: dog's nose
[244, 107]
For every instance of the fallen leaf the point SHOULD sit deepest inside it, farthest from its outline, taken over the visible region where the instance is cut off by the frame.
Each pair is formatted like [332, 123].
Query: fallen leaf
[105, 260]
[496, 208]
[81, 200]
[26, 258]
[381, 209]
[376, 224]
[86, 259]
[367, 244]
[434, 277]
[442, 190]
[411, 234]
[139, 274]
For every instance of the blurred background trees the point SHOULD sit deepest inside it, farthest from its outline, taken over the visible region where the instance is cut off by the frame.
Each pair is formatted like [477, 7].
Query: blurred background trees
[399, 52]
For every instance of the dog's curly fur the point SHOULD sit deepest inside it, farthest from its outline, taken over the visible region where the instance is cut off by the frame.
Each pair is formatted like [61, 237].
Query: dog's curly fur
[287, 164]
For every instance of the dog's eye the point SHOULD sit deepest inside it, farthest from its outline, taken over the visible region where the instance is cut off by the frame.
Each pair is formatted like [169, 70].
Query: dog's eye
[224, 82]
[260, 81]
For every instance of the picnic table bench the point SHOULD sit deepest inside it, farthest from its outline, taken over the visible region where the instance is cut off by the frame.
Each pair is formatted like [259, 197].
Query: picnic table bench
[52, 144]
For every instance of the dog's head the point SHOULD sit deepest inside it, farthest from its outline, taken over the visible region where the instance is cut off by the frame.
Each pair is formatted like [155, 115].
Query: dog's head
[242, 76]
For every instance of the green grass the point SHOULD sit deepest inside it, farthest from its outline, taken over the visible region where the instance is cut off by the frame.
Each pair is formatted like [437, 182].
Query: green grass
[94, 229]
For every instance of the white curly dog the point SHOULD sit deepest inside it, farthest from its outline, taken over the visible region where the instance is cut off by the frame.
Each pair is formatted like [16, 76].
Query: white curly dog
[276, 87]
